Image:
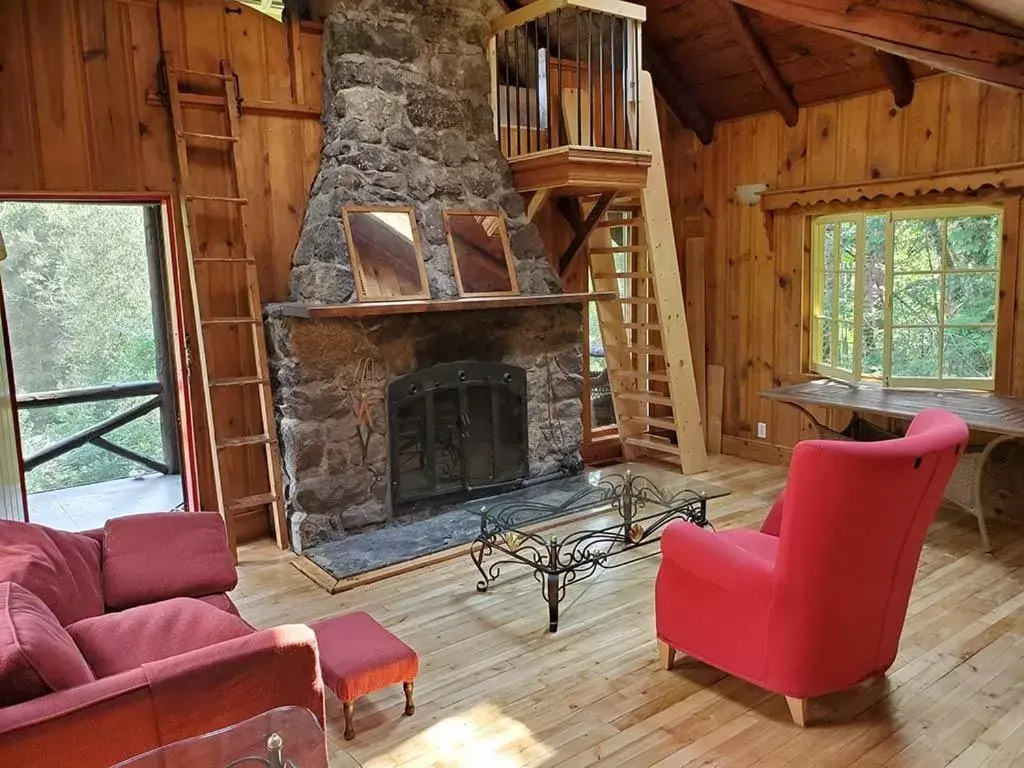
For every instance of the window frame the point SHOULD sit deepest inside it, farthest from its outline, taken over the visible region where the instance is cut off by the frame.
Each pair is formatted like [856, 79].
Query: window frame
[817, 270]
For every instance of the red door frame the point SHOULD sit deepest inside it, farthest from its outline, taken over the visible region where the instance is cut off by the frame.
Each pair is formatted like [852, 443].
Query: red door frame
[176, 322]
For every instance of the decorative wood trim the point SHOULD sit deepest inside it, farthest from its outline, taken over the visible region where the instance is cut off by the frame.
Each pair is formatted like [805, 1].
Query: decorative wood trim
[384, 308]
[777, 87]
[755, 450]
[1009, 177]
[580, 170]
[538, 8]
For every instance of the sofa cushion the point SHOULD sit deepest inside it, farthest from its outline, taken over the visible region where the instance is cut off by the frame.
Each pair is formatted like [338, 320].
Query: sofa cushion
[116, 642]
[61, 569]
[159, 556]
[37, 655]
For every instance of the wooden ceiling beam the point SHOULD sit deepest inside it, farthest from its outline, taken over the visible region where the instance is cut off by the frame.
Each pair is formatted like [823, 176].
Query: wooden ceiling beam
[740, 24]
[945, 34]
[675, 93]
[901, 79]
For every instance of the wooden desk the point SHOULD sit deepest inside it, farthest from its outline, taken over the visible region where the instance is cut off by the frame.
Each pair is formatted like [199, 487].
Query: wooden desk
[998, 415]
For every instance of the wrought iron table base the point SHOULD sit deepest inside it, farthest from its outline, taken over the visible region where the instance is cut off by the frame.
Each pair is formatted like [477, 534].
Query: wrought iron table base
[557, 563]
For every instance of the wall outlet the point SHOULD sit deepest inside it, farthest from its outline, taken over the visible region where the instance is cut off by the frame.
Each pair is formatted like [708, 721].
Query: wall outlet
[762, 430]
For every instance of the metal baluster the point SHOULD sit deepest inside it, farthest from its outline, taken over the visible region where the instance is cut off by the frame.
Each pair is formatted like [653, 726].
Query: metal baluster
[611, 97]
[547, 78]
[579, 86]
[636, 77]
[508, 101]
[526, 63]
[519, 133]
[600, 71]
[590, 71]
[536, 69]
[625, 83]
[561, 110]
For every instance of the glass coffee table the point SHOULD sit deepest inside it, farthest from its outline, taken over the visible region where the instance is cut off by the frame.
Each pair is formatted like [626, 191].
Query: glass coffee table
[638, 507]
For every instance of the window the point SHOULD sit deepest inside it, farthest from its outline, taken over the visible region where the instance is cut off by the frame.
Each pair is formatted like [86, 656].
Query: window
[907, 297]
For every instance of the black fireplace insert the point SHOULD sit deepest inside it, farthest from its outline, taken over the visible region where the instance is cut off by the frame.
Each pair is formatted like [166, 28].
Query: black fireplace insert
[457, 431]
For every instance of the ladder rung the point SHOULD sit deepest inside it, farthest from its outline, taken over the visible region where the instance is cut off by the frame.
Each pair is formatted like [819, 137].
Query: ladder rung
[641, 375]
[630, 221]
[238, 381]
[257, 500]
[643, 396]
[234, 442]
[223, 260]
[231, 321]
[208, 136]
[637, 349]
[617, 275]
[653, 421]
[617, 249]
[642, 327]
[652, 443]
[198, 73]
[630, 299]
[218, 199]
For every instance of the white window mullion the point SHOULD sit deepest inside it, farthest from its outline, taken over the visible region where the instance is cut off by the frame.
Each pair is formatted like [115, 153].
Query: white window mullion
[858, 299]
[890, 251]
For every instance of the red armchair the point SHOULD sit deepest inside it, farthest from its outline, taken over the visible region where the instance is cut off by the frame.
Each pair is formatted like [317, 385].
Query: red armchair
[815, 601]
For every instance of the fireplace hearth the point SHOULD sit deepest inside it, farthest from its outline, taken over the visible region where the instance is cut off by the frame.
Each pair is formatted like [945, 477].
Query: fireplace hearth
[457, 431]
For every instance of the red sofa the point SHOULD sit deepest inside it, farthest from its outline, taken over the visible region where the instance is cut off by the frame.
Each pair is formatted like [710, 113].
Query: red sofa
[118, 641]
[815, 601]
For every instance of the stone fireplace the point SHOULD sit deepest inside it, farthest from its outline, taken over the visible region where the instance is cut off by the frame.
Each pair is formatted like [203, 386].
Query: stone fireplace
[390, 418]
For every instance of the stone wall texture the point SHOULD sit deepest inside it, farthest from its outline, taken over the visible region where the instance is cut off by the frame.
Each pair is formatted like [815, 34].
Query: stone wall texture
[333, 484]
[407, 122]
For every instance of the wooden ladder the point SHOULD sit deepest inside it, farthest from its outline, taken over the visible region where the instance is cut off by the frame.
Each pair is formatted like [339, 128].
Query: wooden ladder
[228, 279]
[647, 345]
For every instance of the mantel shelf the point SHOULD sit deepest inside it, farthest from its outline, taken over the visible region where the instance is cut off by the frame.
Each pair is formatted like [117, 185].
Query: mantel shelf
[384, 308]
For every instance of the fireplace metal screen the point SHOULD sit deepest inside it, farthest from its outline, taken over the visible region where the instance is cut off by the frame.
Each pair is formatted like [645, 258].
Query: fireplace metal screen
[457, 430]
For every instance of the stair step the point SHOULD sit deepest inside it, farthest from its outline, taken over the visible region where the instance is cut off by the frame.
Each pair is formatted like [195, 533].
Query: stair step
[234, 442]
[199, 73]
[207, 136]
[218, 199]
[622, 275]
[618, 249]
[223, 260]
[637, 349]
[231, 321]
[631, 299]
[653, 421]
[651, 443]
[238, 381]
[629, 221]
[644, 396]
[257, 500]
[638, 375]
[642, 327]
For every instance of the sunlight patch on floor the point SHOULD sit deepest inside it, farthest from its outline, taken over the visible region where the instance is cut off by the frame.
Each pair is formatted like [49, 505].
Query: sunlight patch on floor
[481, 736]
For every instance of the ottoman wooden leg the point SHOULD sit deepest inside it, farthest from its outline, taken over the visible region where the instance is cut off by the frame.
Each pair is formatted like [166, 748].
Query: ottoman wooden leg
[350, 731]
[410, 708]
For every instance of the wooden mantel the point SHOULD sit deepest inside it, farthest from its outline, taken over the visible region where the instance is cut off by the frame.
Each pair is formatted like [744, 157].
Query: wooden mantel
[382, 308]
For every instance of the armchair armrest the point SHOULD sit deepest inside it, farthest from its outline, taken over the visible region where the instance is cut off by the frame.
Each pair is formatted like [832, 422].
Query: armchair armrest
[772, 524]
[715, 559]
[166, 701]
[154, 557]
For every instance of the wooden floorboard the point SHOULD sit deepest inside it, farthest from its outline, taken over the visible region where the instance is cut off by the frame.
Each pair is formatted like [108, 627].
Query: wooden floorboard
[496, 689]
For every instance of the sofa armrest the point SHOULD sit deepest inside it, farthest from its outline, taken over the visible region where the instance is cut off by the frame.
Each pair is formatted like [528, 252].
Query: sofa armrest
[154, 557]
[166, 701]
[714, 559]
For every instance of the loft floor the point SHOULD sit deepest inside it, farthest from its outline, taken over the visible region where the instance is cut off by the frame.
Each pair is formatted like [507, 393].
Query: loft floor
[495, 689]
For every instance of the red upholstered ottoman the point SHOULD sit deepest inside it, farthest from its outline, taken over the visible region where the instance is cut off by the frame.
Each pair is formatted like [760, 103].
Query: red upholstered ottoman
[358, 656]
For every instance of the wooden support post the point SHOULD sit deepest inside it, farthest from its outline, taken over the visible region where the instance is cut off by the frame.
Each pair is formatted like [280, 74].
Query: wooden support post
[602, 205]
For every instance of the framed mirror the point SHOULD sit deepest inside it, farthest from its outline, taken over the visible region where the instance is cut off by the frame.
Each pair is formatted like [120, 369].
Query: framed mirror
[481, 254]
[387, 260]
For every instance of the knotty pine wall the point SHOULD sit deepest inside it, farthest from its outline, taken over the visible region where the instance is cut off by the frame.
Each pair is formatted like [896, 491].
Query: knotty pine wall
[80, 115]
[755, 307]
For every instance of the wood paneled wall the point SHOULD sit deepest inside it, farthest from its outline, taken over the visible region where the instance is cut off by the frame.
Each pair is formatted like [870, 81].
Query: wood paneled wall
[81, 115]
[756, 296]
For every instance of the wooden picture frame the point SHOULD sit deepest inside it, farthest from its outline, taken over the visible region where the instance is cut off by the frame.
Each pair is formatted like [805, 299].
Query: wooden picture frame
[469, 267]
[405, 277]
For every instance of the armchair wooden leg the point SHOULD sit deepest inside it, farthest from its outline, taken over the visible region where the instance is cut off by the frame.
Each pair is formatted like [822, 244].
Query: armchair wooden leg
[350, 731]
[798, 710]
[666, 654]
[410, 708]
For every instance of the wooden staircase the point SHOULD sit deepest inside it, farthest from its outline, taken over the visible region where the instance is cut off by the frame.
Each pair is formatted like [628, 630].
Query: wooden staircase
[647, 347]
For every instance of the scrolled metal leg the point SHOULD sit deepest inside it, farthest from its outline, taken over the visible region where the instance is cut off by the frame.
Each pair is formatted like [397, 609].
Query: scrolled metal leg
[552, 593]
[476, 553]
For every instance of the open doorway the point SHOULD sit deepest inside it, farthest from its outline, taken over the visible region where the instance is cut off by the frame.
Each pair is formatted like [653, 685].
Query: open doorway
[94, 378]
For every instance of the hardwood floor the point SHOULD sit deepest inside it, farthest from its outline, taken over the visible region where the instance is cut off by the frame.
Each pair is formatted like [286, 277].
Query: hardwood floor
[496, 690]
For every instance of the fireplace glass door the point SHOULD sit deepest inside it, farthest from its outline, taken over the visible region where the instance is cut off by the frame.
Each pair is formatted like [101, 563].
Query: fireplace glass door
[457, 430]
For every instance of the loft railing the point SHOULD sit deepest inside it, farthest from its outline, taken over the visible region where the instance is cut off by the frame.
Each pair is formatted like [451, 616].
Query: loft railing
[566, 73]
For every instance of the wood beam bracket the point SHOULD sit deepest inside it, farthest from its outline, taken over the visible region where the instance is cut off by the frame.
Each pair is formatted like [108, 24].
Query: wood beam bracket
[583, 233]
[675, 93]
[897, 73]
[777, 87]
